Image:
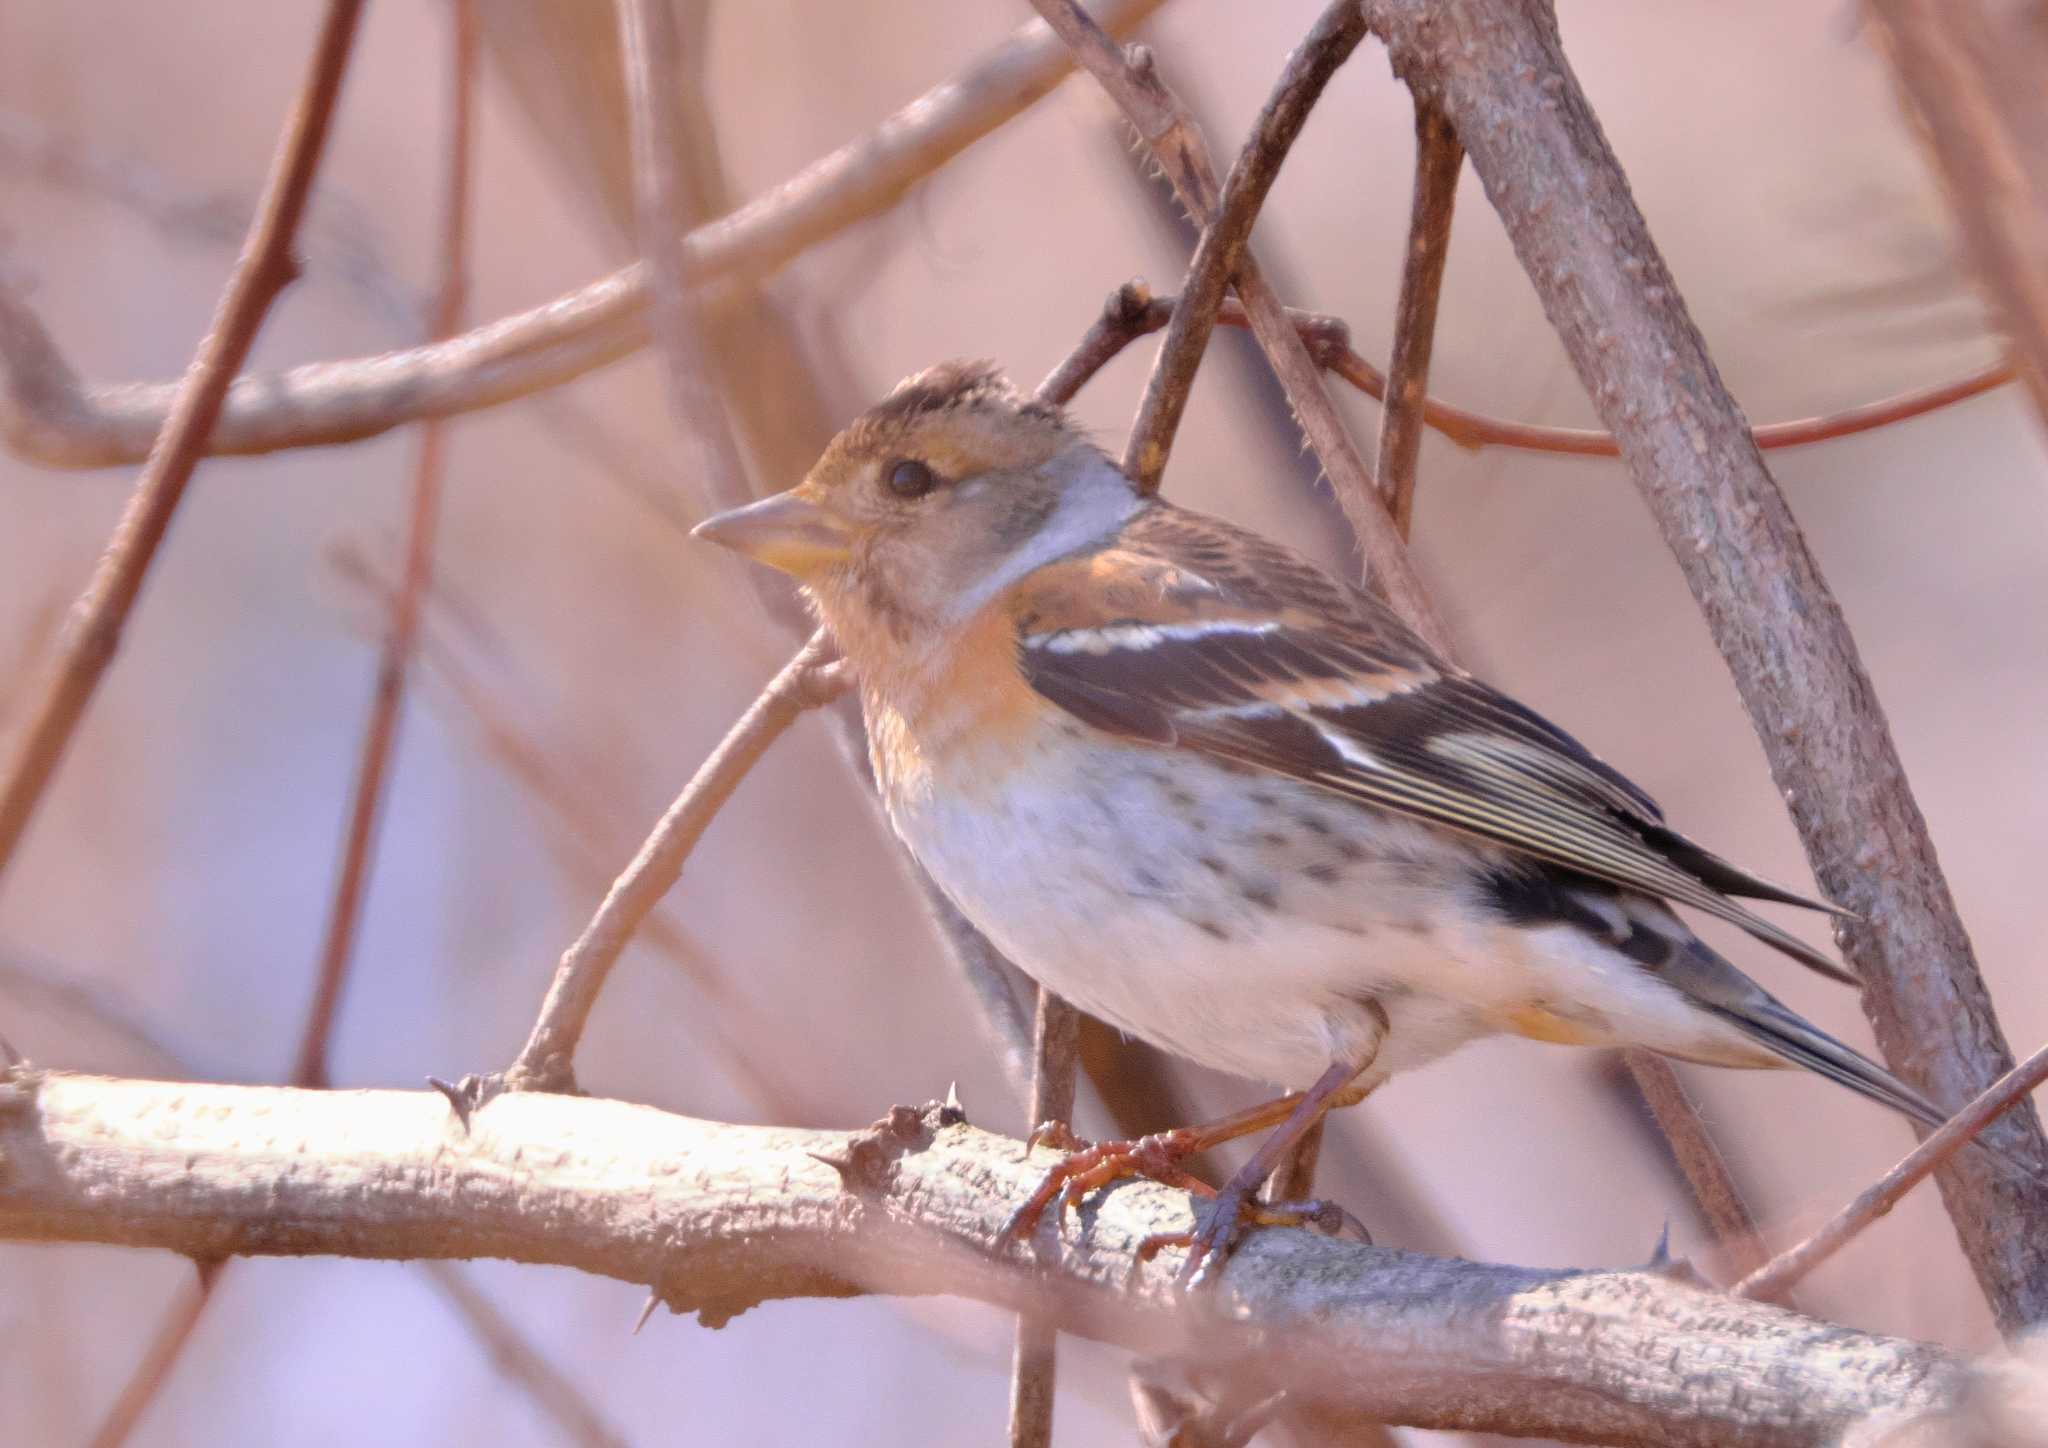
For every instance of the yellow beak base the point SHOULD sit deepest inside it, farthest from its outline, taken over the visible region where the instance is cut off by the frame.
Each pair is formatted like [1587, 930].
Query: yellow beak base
[786, 531]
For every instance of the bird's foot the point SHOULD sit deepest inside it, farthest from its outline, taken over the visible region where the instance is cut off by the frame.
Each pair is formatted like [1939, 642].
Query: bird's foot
[1222, 1223]
[1087, 1166]
[1056, 1134]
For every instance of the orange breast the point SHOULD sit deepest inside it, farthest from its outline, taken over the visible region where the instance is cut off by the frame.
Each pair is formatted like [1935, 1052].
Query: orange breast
[963, 724]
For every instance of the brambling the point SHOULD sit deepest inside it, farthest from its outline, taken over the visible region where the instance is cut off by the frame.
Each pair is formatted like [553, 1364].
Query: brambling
[1195, 785]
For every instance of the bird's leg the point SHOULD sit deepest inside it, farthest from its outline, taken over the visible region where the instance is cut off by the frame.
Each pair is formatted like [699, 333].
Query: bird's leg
[1236, 1205]
[1159, 1157]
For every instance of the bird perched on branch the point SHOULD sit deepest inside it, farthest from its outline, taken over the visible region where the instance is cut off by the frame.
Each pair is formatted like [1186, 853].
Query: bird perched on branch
[1231, 805]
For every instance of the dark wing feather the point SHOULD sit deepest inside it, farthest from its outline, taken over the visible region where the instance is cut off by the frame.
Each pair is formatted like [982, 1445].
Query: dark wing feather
[1197, 635]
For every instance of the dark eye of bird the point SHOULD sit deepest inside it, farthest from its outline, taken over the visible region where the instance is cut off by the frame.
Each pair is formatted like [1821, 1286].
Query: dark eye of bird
[909, 478]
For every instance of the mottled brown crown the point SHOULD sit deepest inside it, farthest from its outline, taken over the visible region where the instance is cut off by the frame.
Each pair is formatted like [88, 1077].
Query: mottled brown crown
[950, 387]
[961, 417]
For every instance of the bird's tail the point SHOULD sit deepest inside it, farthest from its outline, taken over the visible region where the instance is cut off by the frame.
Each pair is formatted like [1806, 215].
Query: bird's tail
[1786, 1035]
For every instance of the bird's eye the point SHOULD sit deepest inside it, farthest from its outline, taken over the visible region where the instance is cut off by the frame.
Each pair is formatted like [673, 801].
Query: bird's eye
[909, 478]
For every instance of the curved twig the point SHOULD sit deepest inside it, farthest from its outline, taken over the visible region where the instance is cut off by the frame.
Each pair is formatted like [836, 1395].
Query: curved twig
[545, 1062]
[48, 416]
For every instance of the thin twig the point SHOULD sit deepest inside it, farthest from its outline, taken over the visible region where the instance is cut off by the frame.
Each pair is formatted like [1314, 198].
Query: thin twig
[651, 51]
[1134, 84]
[1221, 251]
[587, 837]
[1699, 1158]
[52, 987]
[174, 1331]
[545, 1062]
[47, 415]
[1133, 312]
[1438, 159]
[1972, 70]
[1499, 72]
[651, 54]
[264, 269]
[179, 1321]
[337, 241]
[1777, 1277]
[1034, 1360]
[394, 661]
[545, 1384]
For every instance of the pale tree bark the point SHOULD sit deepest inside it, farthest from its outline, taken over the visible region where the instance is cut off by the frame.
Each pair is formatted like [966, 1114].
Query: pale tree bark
[721, 1218]
[1498, 70]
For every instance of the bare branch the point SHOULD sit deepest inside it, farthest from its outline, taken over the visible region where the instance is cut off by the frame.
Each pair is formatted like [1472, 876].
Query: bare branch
[545, 1062]
[1133, 83]
[47, 415]
[1056, 1044]
[1972, 71]
[1774, 1279]
[650, 51]
[653, 66]
[549, 1388]
[174, 1330]
[1475, 430]
[1698, 1157]
[1497, 69]
[723, 1217]
[588, 837]
[401, 636]
[1132, 312]
[1220, 254]
[264, 269]
[1438, 159]
[335, 239]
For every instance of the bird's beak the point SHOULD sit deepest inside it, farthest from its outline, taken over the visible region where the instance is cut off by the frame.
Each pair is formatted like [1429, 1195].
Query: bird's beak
[787, 531]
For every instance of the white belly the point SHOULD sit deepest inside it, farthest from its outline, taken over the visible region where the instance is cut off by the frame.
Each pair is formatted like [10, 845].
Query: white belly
[1239, 921]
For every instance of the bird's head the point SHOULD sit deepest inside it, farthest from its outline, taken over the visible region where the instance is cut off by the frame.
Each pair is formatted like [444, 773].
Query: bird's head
[929, 505]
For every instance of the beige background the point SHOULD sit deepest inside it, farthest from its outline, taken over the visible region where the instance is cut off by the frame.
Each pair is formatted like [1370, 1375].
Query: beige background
[183, 860]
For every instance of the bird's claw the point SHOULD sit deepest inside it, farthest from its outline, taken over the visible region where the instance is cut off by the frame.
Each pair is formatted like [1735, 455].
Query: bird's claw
[1089, 1166]
[1223, 1222]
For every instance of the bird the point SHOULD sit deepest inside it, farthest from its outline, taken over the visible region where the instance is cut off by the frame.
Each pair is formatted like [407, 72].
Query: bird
[1230, 804]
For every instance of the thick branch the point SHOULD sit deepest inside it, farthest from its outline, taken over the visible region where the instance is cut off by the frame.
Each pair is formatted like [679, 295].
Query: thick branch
[1499, 72]
[723, 1217]
[48, 416]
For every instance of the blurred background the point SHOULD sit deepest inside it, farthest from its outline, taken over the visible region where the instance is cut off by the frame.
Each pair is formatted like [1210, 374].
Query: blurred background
[164, 916]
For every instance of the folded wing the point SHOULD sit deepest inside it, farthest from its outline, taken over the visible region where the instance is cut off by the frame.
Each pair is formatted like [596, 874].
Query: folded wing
[1195, 635]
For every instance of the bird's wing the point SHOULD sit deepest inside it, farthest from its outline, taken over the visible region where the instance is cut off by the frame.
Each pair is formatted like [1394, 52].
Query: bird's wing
[1187, 632]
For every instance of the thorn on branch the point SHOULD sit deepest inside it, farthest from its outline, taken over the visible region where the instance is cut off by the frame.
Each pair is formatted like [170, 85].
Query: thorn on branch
[1660, 1255]
[863, 1163]
[469, 1095]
